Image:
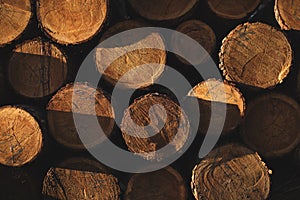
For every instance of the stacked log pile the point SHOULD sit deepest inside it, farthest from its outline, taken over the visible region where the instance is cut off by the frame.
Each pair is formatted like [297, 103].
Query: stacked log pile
[254, 46]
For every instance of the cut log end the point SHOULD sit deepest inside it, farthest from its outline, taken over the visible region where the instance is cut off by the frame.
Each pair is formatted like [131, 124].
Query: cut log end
[162, 10]
[248, 52]
[200, 32]
[37, 68]
[233, 9]
[231, 172]
[164, 184]
[15, 15]
[152, 122]
[71, 22]
[66, 184]
[271, 125]
[223, 93]
[287, 14]
[20, 138]
[87, 104]
[135, 60]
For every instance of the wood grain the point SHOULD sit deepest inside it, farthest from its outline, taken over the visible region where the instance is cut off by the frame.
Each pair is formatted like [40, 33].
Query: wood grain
[256, 54]
[37, 68]
[231, 172]
[271, 125]
[67, 184]
[71, 22]
[20, 136]
[15, 15]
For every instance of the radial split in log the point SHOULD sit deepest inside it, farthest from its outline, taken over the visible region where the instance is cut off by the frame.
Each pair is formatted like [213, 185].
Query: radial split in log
[287, 13]
[20, 136]
[67, 184]
[88, 101]
[152, 122]
[71, 22]
[271, 125]
[198, 31]
[37, 68]
[231, 172]
[222, 93]
[233, 9]
[256, 54]
[163, 10]
[164, 184]
[15, 16]
[137, 65]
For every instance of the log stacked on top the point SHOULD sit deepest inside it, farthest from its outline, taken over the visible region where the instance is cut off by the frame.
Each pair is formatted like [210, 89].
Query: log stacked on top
[233, 9]
[135, 57]
[271, 125]
[37, 68]
[21, 136]
[166, 124]
[66, 184]
[15, 16]
[231, 171]
[256, 54]
[163, 10]
[71, 22]
[223, 94]
[87, 102]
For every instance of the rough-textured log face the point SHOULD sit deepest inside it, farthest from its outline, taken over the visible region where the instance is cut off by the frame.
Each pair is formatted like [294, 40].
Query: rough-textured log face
[231, 172]
[37, 68]
[162, 10]
[198, 31]
[20, 136]
[287, 13]
[65, 184]
[271, 125]
[214, 90]
[233, 9]
[169, 124]
[15, 16]
[71, 22]
[165, 184]
[256, 54]
[88, 102]
[140, 66]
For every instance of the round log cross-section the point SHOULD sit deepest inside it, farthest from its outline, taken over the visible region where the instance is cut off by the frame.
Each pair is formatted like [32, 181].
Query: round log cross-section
[37, 68]
[67, 184]
[20, 136]
[71, 22]
[231, 172]
[271, 125]
[60, 112]
[164, 184]
[138, 65]
[213, 90]
[233, 9]
[15, 16]
[167, 124]
[287, 13]
[200, 32]
[162, 10]
[256, 54]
